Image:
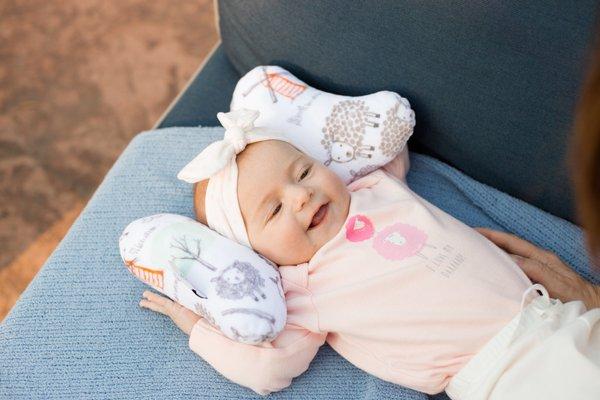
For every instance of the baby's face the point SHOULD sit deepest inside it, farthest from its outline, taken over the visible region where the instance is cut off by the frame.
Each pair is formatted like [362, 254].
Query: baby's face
[291, 203]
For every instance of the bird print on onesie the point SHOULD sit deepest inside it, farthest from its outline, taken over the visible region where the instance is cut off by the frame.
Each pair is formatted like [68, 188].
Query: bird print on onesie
[351, 135]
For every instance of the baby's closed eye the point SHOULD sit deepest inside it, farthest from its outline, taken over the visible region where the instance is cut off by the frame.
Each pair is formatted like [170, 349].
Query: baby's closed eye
[305, 172]
[276, 210]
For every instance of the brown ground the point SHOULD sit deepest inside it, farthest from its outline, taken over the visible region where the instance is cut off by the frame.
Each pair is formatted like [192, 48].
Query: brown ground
[78, 79]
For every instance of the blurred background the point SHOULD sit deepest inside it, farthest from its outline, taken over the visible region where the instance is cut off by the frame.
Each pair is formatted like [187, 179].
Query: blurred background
[79, 79]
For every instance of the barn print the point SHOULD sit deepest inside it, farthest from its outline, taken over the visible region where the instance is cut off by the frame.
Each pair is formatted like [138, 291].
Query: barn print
[396, 132]
[152, 277]
[344, 130]
[277, 83]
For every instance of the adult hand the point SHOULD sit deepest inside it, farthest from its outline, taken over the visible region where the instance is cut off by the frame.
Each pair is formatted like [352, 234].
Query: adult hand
[545, 267]
[181, 316]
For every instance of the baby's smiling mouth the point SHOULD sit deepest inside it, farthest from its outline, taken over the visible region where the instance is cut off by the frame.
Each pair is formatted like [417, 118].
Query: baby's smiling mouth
[319, 216]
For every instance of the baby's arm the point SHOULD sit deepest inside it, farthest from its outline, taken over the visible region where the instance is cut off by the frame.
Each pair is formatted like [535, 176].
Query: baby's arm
[264, 368]
[399, 166]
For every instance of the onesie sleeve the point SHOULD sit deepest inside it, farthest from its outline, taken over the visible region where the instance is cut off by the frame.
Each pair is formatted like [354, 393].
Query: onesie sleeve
[264, 368]
[399, 166]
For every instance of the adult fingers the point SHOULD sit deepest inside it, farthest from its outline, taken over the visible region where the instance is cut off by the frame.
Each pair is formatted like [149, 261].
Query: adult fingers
[535, 270]
[561, 281]
[515, 245]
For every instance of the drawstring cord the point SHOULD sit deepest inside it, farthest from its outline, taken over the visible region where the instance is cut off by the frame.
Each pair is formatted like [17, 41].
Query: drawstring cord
[536, 286]
[547, 309]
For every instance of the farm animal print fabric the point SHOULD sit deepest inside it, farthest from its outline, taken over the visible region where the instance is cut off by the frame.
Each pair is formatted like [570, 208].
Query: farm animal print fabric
[238, 291]
[353, 136]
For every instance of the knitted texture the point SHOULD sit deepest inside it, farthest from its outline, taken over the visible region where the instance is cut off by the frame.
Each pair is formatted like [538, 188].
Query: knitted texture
[77, 331]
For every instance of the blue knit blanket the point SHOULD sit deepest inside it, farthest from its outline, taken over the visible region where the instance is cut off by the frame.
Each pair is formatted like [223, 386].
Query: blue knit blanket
[77, 331]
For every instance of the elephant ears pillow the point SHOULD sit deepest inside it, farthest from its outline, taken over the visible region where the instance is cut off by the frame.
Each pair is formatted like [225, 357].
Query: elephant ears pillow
[351, 135]
[234, 288]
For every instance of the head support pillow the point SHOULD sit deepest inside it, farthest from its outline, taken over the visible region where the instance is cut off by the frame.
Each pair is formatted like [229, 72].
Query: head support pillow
[234, 288]
[351, 135]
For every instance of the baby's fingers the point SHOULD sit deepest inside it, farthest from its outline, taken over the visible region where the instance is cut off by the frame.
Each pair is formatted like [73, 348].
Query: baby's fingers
[153, 306]
[156, 302]
[155, 297]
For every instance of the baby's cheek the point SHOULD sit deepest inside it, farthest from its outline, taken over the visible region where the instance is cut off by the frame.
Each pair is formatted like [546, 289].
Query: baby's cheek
[281, 245]
[297, 245]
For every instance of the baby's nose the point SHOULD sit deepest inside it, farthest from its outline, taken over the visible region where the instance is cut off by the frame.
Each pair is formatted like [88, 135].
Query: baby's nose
[300, 195]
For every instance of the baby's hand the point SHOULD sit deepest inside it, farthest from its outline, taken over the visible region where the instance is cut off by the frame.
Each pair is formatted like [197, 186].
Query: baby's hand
[181, 316]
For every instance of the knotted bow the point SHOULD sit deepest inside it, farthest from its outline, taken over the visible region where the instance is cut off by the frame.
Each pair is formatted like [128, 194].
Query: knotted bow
[217, 162]
[239, 131]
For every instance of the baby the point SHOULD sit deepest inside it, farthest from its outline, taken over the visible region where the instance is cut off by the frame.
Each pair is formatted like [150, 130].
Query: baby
[300, 206]
[395, 285]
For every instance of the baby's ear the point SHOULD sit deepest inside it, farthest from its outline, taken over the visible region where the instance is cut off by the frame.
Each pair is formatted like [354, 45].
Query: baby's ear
[199, 201]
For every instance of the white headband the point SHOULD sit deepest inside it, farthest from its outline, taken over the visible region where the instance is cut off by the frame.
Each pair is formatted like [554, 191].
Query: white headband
[218, 162]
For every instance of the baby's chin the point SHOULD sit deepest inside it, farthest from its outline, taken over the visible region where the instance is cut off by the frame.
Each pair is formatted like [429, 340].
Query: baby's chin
[338, 213]
[338, 210]
[296, 257]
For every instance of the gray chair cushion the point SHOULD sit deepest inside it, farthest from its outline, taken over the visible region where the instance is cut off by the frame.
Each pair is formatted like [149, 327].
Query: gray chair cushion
[209, 93]
[493, 84]
[77, 331]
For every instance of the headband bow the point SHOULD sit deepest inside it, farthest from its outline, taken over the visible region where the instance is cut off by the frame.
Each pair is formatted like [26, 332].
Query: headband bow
[217, 162]
[238, 128]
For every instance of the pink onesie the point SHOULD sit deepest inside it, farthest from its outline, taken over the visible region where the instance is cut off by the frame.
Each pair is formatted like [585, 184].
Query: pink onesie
[403, 291]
